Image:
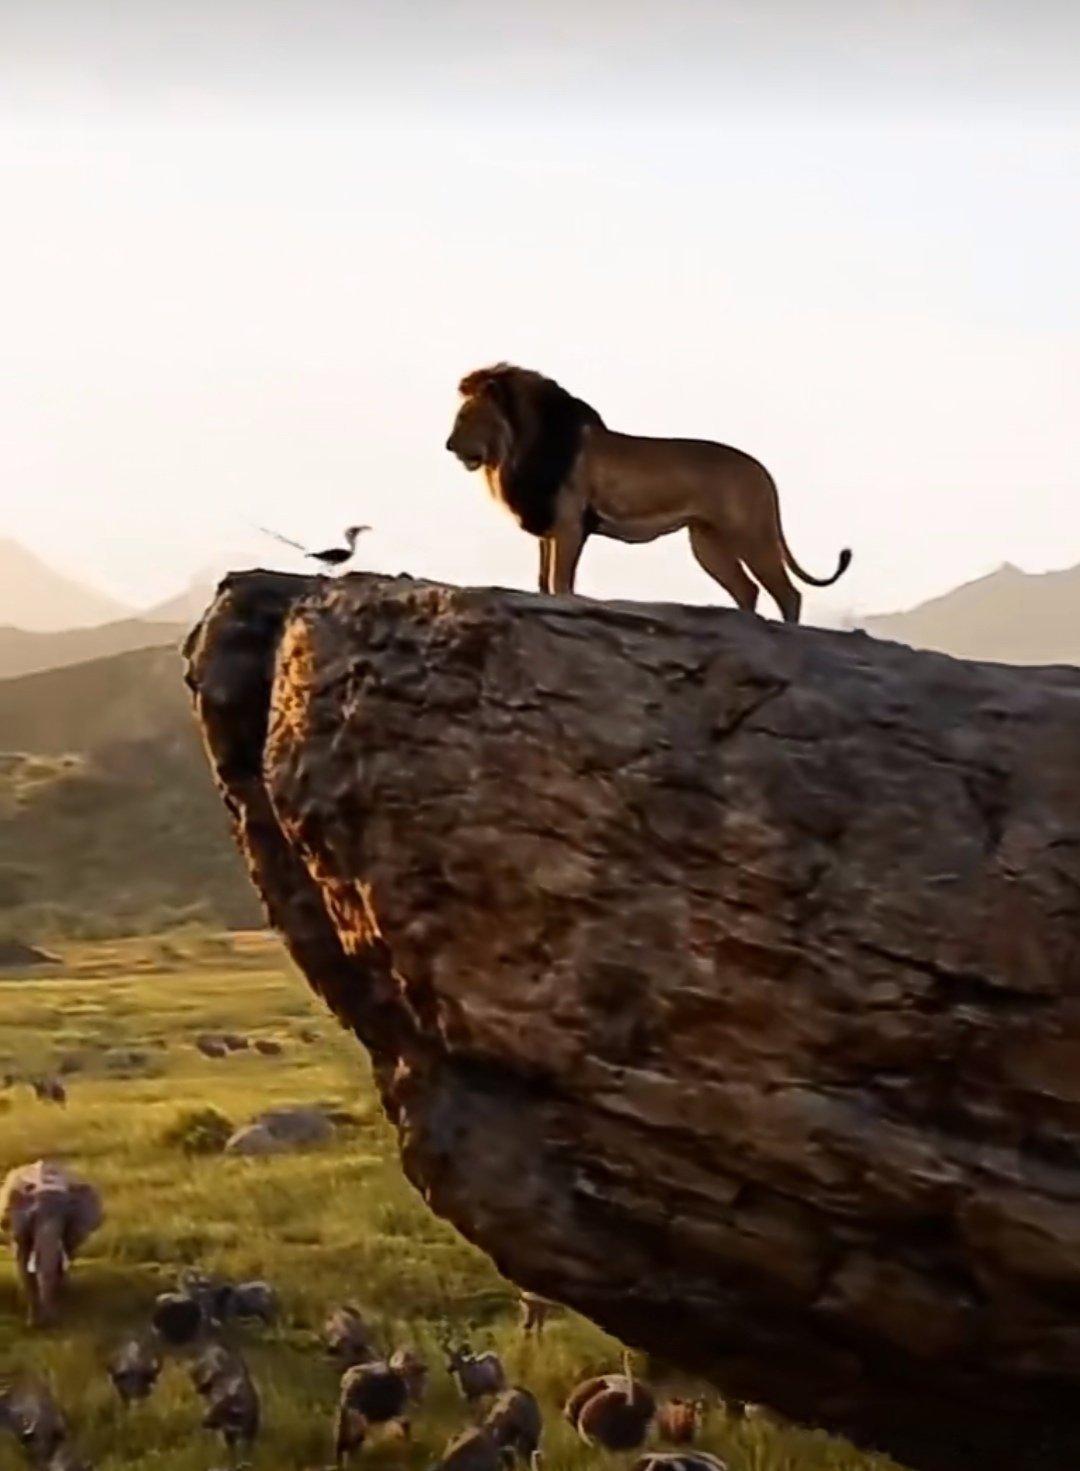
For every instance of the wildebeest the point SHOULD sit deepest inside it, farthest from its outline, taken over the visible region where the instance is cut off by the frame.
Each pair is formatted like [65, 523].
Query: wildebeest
[477, 1375]
[348, 1338]
[198, 1305]
[251, 1300]
[50, 1090]
[134, 1369]
[29, 1411]
[414, 1371]
[473, 1450]
[371, 1394]
[515, 1423]
[221, 1378]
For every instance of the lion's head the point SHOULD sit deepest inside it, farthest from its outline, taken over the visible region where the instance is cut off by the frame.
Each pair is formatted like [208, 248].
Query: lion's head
[524, 431]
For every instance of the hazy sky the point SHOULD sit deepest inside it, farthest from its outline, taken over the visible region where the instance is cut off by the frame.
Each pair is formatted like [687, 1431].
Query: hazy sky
[249, 248]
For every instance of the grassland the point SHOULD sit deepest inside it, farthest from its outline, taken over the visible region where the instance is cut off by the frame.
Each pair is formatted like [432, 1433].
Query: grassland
[109, 821]
[332, 1225]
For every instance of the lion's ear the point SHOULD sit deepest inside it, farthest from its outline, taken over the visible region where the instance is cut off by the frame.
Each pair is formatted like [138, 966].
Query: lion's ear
[489, 381]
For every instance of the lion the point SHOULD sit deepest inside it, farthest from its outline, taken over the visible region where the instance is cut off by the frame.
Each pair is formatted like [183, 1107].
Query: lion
[564, 476]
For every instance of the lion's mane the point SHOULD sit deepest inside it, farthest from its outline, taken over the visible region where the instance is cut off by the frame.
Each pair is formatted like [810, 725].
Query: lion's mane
[546, 425]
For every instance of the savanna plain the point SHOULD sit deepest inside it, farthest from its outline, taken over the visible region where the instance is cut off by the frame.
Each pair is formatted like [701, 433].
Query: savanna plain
[330, 1225]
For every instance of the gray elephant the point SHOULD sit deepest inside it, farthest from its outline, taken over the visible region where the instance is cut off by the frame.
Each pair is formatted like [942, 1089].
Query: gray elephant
[48, 1213]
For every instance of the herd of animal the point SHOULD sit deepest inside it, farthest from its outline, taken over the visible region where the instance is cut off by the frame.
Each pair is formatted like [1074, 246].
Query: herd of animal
[379, 1392]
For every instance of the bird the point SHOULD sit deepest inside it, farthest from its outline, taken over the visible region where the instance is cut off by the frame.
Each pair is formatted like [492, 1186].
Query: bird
[612, 1410]
[329, 556]
[679, 1461]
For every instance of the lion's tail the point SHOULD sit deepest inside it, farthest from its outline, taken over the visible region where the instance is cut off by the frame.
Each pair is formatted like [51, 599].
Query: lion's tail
[842, 564]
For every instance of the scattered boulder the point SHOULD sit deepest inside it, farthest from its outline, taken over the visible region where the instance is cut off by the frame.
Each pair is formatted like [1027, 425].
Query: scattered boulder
[255, 1139]
[234, 1042]
[282, 1129]
[268, 1047]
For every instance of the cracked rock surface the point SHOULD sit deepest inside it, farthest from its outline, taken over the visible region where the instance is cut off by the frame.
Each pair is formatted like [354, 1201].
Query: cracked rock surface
[722, 979]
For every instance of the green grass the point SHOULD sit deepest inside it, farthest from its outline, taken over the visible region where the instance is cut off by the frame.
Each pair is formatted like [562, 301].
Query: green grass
[338, 1224]
[109, 820]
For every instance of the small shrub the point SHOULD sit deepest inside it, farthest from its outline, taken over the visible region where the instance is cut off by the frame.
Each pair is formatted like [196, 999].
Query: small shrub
[198, 1131]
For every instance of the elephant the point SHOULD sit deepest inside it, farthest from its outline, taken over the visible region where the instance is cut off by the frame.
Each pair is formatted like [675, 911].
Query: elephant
[48, 1214]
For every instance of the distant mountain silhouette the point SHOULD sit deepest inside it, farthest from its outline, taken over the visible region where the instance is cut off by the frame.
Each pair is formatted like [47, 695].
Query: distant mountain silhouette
[109, 822]
[22, 651]
[34, 597]
[188, 604]
[1009, 616]
[191, 602]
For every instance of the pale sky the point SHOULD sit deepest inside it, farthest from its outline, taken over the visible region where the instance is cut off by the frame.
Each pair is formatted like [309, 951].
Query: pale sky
[249, 248]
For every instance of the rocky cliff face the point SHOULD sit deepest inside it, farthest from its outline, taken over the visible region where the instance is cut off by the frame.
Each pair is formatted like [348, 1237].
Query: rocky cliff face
[722, 979]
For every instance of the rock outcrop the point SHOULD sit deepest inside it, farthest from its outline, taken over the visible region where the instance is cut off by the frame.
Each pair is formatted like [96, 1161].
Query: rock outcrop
[722, 979]
[281, 1130]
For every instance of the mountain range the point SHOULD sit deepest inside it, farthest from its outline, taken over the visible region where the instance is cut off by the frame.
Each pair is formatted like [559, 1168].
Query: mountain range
[35, 597]
[1009, 616]
[26, 651]
[48, 620]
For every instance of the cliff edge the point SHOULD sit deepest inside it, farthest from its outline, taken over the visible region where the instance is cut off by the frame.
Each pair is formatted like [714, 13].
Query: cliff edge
[722, 979]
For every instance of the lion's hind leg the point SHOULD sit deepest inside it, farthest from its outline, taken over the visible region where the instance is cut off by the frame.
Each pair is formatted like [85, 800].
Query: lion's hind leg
[767, 565]
[715, 559]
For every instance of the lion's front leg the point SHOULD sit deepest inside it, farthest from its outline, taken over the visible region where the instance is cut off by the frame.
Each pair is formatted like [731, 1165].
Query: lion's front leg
[566, 545]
